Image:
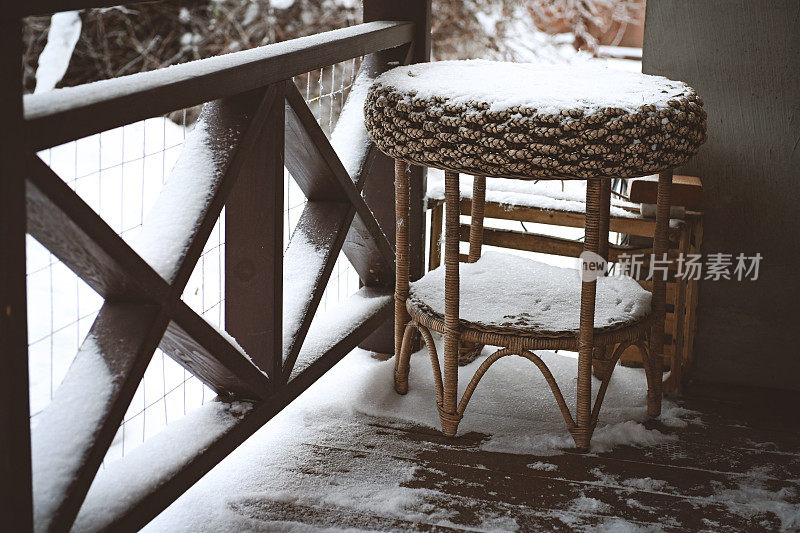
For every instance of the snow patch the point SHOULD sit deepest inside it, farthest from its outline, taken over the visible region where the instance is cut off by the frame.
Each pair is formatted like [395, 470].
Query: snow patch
[541, 465]
[281, 4]
[67, 426]
[751, 499]
[349, 138]
[501, 289]
[171, 222]
[589, 86]
[645, 483]
[63, 35]
[584, 504]
[552, 195]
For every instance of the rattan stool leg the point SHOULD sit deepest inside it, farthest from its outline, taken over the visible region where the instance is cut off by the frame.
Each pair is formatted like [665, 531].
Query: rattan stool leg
[469, 351]
[476, 218]
[402, 360]
[447, 409]
[660, 245]
[582, 432]
[602, 354]
[401, 317]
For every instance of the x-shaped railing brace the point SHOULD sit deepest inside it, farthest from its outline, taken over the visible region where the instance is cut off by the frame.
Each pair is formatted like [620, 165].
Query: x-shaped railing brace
[143, 310]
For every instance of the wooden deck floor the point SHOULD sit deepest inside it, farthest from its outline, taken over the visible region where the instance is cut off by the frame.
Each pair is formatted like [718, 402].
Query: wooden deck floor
[739, 471]
[735, 467]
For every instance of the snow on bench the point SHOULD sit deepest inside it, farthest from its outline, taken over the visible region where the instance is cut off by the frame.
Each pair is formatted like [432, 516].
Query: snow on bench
[549, 195]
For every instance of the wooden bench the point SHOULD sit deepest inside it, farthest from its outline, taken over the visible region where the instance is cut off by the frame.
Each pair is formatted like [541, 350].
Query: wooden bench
[541, 203]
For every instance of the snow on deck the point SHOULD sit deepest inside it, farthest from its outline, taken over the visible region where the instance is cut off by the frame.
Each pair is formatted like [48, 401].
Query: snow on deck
[351, 454]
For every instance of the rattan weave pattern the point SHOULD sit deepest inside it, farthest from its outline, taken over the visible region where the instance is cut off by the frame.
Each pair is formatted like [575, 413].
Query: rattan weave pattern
[521, 143]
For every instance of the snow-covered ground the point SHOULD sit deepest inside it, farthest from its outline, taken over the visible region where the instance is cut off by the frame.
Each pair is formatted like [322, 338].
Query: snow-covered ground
[512, 404]
[286, 462]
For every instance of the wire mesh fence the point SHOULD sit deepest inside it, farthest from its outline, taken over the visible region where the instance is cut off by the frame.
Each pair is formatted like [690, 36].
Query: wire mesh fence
[119, 173]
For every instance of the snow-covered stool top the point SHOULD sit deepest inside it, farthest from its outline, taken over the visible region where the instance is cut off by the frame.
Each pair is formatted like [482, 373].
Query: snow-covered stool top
[509, 294]
[534, 121]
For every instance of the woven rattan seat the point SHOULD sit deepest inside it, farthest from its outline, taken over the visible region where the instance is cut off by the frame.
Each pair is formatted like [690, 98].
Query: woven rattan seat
[512, 295]
[530, 121]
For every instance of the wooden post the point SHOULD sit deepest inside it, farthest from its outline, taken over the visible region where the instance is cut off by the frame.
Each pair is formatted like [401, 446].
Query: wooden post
[379, 187]
[254, 248]
[16, 507]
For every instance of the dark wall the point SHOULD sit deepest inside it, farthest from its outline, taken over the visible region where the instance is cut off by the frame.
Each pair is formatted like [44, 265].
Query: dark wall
[743, 58]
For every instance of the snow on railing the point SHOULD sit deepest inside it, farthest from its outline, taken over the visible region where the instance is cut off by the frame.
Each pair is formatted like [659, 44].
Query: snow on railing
[119, 173]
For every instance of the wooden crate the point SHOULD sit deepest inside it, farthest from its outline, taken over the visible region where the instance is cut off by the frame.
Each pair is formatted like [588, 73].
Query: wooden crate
[686, 238]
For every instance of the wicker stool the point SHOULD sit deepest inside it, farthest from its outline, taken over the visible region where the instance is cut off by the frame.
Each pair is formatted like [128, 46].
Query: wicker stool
[530, 122]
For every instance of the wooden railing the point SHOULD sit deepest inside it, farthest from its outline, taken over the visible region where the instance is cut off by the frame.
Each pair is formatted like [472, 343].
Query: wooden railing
[254, 122]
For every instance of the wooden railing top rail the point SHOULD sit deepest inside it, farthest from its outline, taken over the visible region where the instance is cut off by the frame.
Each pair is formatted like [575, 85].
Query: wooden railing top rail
[63, 115]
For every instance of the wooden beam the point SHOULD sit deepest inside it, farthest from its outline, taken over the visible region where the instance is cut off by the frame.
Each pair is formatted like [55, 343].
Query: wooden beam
[16, 512]
[120, 490]
[632, 226]
[548, 244]
[534, 242]
[379, 188]
[81, 239]
[254, 245]
[64, 224]
[339, 331]
[75, 430]
[416, 11]
[308, 263]
[310, 169]
[376, 260]
[237, 129]
[205, 352]
[687, 191]
[56, 117]
[144, 505]
[303, 156]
